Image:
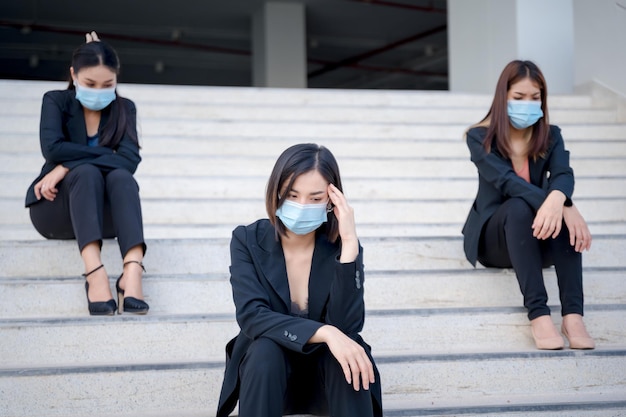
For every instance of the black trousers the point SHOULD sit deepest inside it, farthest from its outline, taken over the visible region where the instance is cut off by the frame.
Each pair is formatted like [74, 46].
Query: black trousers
[91, 206]
[277, 382]
[507, 242]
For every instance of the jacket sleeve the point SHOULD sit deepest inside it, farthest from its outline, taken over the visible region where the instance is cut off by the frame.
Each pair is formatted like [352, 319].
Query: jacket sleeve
[55, 146]
[346, 307]
[251, 295]
[561, 174]
[500, 174]
[58, 149]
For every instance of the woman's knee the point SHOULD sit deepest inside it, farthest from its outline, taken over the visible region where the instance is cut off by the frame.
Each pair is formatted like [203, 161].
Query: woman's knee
[85, 175]
[518, 209]
[264, 358]
[84, 171]
[121, 180]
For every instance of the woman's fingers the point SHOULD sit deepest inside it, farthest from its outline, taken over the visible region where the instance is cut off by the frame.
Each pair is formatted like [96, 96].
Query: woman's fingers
[357, 367]
[359, 371]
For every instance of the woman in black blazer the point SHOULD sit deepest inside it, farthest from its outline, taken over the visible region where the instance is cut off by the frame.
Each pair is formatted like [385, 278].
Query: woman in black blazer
[86, 189]
[523, 216]
[297, 281]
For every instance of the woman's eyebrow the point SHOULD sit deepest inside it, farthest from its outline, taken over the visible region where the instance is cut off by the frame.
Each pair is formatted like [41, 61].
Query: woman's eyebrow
[93, 81]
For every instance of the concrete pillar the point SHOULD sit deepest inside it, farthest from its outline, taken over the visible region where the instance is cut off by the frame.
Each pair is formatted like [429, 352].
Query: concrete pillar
[279, 45]
[484, 35]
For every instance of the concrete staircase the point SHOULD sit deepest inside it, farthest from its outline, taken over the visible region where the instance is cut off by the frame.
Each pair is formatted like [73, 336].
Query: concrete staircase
[448, 339]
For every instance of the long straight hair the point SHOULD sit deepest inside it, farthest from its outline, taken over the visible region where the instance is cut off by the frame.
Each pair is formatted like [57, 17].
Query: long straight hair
[92, 54]
[497, 119]
[293, 162]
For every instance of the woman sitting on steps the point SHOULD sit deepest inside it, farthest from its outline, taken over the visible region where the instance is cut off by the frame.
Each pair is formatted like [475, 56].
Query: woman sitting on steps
[523, 216]
[86, 189]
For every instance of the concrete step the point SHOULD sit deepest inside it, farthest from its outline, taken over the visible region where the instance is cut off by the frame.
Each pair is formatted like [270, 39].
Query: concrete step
[225, 188]
[472, 378]
[280, 113]
[243, 211]
[210, 293]
[390, 169]
[202, 337]
[204, 256]
[24, 144]
[313, 131]
[152, 231]
[167, 96]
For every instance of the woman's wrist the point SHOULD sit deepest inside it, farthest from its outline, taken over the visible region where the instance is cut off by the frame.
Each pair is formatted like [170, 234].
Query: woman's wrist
[349, 250]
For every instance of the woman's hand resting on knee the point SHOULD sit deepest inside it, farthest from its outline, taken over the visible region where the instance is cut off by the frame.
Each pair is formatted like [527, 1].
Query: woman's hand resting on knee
[357, 367]
[549, 218]
[579, 234]
[47, 187]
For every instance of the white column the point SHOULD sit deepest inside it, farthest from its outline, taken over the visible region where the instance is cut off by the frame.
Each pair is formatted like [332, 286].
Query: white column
[279, 45]
[484, 35]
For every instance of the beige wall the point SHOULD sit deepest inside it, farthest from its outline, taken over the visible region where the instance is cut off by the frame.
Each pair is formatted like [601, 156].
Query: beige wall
[600, 44]
[577, 43]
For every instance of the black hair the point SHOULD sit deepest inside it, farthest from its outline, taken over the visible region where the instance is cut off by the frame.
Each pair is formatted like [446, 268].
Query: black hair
[497, 118]
[92, 54]
[293, 162]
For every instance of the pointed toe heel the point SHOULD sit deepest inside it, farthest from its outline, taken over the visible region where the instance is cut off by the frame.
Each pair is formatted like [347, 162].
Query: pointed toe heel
[545, 343]
[583, 340]
[130, 304]
[98, 308]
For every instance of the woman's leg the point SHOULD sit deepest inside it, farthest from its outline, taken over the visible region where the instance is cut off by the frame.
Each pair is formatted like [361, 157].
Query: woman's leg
[569, 272]
[343, 400]
[507, 242]
[130, 280]
[99, 289]
[568, 265]
[52, 218]
[85, 188]
[126, 220]
[76, 213]
[263, 373]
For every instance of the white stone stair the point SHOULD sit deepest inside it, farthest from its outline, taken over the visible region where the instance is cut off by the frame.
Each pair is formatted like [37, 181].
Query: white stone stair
[449, 339]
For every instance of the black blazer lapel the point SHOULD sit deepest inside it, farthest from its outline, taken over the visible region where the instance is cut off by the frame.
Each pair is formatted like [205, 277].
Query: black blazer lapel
[322, 275]
[76, 122]
[271, 260]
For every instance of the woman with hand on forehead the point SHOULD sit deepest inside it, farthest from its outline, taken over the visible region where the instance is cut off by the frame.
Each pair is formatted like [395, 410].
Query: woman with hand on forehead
[523, 216]
[297, 281]
[86, 189]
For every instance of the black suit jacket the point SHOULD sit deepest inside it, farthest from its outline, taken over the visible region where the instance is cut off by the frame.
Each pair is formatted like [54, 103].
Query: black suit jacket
[263, 304]
[63, 138]
[497, 182]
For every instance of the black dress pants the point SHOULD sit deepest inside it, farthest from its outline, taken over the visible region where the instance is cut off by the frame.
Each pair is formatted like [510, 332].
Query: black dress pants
[277, 382]
[507, 242]
[91, 206]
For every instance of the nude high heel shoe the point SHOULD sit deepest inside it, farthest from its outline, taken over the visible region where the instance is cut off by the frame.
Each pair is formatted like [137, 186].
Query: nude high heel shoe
[577, 334]
[545, 334]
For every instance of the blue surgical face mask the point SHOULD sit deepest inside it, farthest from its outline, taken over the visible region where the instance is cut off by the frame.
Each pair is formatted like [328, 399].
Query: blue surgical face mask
[524, 113]
[302, 218]
[94, 98]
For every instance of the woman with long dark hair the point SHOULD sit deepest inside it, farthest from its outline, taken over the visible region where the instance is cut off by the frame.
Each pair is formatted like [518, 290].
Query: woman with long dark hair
[297, 280]
[523, 216]
[86, 189]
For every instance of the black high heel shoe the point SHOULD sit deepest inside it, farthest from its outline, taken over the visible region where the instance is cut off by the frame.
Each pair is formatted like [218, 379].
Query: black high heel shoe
[130, 304]
[99, 308]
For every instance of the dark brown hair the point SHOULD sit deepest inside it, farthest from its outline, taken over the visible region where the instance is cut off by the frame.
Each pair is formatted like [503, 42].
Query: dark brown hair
[92, 54]
[497, 119]
[293, 162]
